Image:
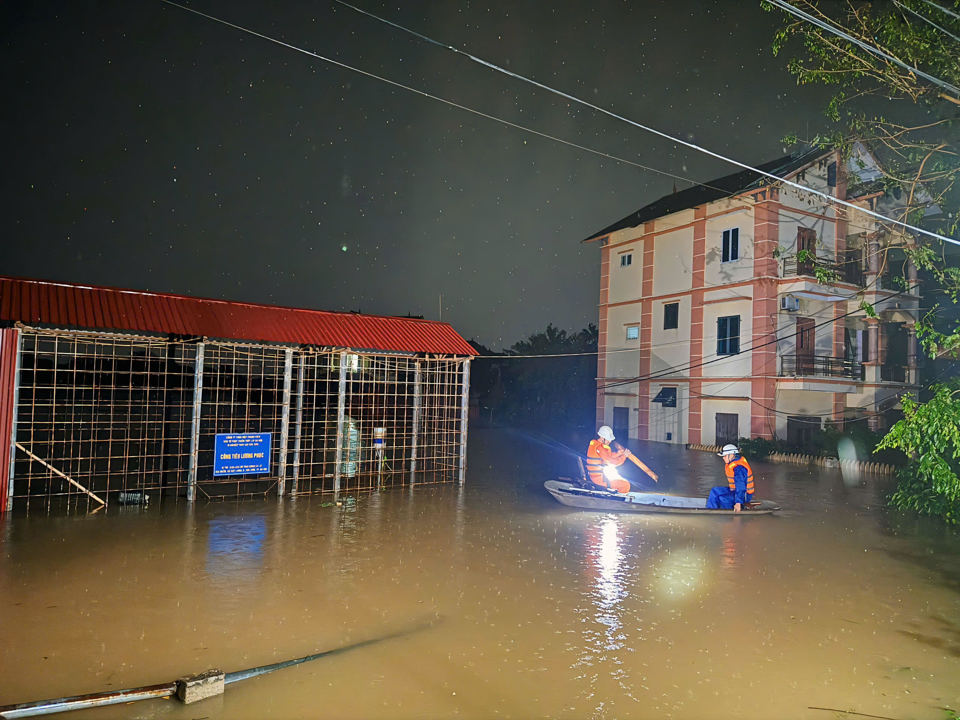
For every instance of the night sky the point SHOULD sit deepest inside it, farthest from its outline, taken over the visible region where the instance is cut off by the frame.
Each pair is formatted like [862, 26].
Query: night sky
[149, 148]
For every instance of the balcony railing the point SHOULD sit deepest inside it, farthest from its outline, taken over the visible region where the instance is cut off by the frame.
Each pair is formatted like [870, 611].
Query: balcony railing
[848, 270]
[822, 365]
[893, 373]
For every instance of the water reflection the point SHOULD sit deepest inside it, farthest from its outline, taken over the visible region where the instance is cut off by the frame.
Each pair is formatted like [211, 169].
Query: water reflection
[680, 573]
[235, 544]
[548, 612]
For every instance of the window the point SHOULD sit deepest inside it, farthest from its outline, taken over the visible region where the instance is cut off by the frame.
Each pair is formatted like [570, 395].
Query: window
[806, 250]
[633, 332]
[626, 259]
[671, 315]
[832, 174]
[731, 245]
[667, 397]
[728, 335]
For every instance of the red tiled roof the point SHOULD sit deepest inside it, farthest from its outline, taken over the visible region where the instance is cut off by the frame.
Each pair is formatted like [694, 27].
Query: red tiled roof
[66, 305]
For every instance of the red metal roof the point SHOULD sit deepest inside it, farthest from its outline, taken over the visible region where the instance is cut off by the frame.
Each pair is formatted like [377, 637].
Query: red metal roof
[66, 305]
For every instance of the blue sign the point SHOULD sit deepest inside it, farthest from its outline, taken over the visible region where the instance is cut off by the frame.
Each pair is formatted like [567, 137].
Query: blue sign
[241, 454]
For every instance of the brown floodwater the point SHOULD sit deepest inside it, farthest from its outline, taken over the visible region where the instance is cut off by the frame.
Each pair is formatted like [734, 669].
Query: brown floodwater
[493, 600]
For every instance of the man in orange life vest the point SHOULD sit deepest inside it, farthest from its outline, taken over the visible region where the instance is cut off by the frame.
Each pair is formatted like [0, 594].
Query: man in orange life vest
[602, 459]
[739, 489]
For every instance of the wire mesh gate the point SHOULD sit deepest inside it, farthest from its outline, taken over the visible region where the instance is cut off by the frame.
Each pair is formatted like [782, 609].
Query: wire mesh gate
[103, 418]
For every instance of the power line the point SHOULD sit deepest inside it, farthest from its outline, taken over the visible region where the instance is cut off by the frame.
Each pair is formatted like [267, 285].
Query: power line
[451, 103]
[925, 19]
[776, 339]
[942, 9]
[654, 131]
[787, 7]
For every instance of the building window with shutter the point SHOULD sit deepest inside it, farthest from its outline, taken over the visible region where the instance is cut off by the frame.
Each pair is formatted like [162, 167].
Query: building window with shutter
[731, 245]
[626, 259]
[671, 316]
[728, 335]
[633, 332]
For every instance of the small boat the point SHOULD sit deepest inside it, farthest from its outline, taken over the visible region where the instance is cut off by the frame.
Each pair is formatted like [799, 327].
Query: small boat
[574, 495]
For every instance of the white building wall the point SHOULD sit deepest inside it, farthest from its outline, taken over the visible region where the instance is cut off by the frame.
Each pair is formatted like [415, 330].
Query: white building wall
[626, 281]
[673, 260]
[711, 406]
[674, 220]
[671, 347]
[734, 365]
[669, 424]
[801, 402]
[716, 272]
[623, 356]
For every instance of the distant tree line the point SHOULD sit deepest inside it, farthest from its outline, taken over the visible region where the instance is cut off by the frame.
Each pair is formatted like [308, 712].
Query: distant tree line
[546, 382]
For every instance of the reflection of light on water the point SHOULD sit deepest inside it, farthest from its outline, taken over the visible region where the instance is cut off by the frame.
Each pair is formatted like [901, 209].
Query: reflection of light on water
[849, 470]
[606, 557]
[680, 573]
[609, 583]
[235, 543]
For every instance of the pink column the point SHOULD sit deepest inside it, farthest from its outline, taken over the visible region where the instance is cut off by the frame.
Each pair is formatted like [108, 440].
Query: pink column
[646, 334]
[602, 327]
[695, 419]
[763, 384]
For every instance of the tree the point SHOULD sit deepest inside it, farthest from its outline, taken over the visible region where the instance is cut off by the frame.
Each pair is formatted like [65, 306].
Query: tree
[547, 381]
[894, 69]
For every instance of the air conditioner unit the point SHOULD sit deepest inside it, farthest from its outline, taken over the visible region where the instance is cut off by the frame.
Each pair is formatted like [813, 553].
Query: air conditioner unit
[789, 303]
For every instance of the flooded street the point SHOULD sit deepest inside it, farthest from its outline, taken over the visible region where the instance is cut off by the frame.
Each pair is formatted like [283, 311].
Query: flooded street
[493, 600]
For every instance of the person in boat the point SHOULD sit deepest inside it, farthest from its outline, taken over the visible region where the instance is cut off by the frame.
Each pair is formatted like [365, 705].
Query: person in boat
[604, 456]
[739, 488]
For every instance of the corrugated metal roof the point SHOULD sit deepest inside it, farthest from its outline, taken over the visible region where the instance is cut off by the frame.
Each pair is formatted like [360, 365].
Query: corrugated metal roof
[66, 305]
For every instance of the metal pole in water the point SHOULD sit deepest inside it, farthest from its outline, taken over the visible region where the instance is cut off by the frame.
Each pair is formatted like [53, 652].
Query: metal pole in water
[188, 689]
[464, 412]
[415, 435]
[195, 423]
[301, 369]
[341, 412]
[285, 422]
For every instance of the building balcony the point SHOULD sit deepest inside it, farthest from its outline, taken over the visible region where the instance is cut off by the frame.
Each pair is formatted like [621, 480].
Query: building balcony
[848, 270]
[820, 366]
[894, 373]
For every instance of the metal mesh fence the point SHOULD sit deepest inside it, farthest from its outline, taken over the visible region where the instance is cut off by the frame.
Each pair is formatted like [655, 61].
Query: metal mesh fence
[110, 413]
[120, 419]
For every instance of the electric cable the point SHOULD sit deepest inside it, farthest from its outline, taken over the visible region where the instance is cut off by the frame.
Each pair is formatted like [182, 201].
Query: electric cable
[925, 19]
[787, 7]
[777, 338]
[942, 9]
[660, 133]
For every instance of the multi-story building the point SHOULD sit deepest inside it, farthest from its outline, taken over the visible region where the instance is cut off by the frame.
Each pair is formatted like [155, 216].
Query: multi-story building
[734, 308]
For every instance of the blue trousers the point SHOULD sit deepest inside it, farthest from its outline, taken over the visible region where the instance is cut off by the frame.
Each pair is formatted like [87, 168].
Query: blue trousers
[724, 498]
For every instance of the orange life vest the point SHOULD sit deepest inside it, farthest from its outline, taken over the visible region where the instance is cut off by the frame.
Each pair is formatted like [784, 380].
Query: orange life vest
[732, 466]
[599, 453]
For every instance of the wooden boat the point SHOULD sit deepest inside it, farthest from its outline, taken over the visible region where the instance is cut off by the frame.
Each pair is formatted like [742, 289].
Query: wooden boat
[574, 495]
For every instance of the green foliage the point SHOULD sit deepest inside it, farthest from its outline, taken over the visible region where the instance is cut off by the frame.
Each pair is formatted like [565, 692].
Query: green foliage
[910, 124]
[757, 447]
[929, 435]
[825, 443]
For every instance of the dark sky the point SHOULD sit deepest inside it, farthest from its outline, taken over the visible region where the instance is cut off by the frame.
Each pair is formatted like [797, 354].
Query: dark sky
[149, 148]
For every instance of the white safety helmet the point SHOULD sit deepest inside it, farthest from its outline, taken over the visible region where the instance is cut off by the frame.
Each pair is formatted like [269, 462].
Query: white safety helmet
[729, 450]
[606, 432]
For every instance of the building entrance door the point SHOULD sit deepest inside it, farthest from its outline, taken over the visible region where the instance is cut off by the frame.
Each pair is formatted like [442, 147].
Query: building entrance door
[728, 428]
[621, 424]
[805, 345]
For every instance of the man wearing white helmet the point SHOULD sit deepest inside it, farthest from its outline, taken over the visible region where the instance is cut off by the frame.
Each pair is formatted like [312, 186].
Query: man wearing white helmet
[739, 488]
[603, 457]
